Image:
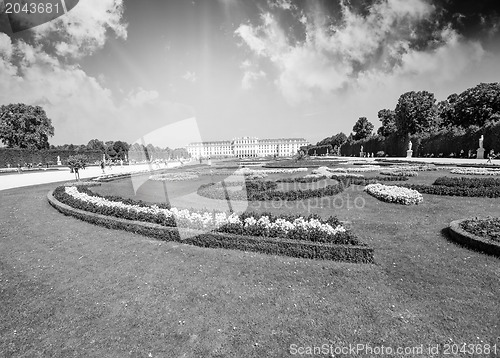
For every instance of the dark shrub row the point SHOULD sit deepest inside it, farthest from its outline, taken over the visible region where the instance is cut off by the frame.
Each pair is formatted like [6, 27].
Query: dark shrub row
[311, 179]
[377, 179]
[468, 182]
[47, 156]
[489, 192]
[266, 190]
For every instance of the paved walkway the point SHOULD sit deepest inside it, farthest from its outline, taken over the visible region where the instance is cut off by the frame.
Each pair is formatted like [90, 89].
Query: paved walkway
[9, 181]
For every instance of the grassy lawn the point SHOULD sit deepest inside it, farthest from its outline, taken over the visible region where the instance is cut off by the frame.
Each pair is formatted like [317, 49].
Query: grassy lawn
[68, 288]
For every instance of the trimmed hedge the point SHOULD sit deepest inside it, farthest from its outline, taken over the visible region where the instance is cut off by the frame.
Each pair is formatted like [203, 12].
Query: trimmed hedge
[272, 246]
[266, 190]
[489, 192]
[466, 187]
[14, 156]
[467, 182]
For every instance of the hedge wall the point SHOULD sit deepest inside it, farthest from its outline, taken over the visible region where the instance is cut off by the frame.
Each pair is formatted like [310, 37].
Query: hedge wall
[444, 143]
[21, 156]
[391, 145]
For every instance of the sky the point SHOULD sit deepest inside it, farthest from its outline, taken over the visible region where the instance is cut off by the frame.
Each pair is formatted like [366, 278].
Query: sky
[175, 71]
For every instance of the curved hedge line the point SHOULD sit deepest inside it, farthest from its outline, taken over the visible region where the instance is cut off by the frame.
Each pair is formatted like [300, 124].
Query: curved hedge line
[266, 190]
[467, 187]
[458, 234]
[272, 246]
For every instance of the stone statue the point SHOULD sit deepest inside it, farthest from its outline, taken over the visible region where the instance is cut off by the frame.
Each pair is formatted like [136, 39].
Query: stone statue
[481, 141]
[410, 145]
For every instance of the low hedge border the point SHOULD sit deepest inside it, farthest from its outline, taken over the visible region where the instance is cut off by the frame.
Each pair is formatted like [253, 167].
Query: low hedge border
[475, 242]
[488, 192]
[271, 246]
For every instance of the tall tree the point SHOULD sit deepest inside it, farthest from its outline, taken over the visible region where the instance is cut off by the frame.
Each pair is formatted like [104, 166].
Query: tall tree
[388, 119]
[362, 129]
[96, 144]
[474, 106]
[25, 126]
[121, 149]
[415, 112]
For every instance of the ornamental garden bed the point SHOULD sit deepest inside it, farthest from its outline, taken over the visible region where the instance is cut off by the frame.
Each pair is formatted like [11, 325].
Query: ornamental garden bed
[394, 194]
[475, 171]
[293, 236]
[266, 190]
[468, 187]
[482, 234]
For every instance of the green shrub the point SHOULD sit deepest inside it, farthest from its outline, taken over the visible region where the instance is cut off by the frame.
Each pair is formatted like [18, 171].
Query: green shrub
[488, 227]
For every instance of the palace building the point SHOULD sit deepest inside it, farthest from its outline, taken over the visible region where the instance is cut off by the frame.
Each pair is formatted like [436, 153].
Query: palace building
[246, 147]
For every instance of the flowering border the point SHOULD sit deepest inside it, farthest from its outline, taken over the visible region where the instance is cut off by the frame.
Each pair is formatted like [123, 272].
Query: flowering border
[312, 228]
[176, 176]
[475, 171]
[273, 246]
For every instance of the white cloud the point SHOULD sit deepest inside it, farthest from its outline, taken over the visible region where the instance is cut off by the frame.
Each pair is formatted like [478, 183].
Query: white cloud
[84, 29]
[141, 97]
[251, 74]
[282, 4]
[5, 46]
[249, 77]
[80, 107]
[189, 76]
[358, 48]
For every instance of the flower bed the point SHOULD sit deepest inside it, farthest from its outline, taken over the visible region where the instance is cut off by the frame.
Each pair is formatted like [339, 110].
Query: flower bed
[467, 187]
[478, 234]
[355, 252]
[475, 171]
[114, 176]
[493, 192]
[467, 182]
[179, 176]
[83, 183]
[364, 168]
[311, 228]
[249, 172]
[394, 194]
[415, 168]
[334, 173]
[399, 173]
[488, 228]
[266, 190]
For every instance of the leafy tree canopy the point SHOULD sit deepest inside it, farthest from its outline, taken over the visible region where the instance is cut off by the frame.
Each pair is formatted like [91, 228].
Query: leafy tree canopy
[24, 126]
[474, 106]
[388, 119]
[415, 112]
[362, 129]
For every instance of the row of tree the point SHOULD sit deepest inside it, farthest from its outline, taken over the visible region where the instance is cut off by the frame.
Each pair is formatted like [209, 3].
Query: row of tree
[28, 127]
[418, 115]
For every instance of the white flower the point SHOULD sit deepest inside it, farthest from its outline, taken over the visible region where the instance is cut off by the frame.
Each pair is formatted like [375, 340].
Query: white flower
[394, 194]
[207, 220]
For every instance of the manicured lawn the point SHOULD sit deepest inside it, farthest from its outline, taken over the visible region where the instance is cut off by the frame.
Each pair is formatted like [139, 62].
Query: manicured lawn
[68, 288]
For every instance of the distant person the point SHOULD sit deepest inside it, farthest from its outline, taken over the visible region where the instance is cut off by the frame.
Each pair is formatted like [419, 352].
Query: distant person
[103, 166]
[491, 155]
[19, 170]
